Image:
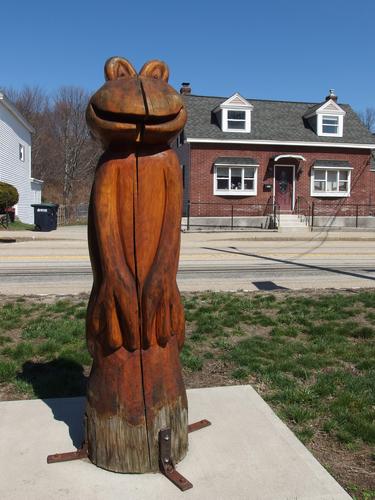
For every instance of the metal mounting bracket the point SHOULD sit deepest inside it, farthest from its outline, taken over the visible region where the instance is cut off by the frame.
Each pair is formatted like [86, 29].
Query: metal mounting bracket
[166, 464]
[167, 467]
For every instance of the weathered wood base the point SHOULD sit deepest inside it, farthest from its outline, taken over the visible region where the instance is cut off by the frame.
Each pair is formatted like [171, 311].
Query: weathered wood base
[124, 448]
[123, 418]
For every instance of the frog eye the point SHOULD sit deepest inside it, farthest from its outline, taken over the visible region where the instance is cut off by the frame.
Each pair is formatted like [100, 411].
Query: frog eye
[155, 69]
[118, 67]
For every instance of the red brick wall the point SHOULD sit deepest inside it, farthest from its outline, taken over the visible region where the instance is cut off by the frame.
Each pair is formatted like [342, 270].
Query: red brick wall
[203, 157]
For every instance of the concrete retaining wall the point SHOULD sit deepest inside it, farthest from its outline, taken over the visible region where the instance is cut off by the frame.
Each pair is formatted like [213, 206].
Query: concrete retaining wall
[212, 223]
[337, 222]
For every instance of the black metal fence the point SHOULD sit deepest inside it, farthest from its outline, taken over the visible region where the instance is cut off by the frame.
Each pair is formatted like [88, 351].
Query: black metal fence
[326, 215]
[249, 216]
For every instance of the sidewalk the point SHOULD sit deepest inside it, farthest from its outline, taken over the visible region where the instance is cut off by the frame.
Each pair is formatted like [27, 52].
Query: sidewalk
[61, 233]
[80, 233]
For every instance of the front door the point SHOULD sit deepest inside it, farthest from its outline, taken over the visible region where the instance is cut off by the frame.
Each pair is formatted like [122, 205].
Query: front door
[284, 187]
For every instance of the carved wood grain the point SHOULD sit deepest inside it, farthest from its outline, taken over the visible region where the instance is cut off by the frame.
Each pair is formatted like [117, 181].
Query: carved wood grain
[135, 319]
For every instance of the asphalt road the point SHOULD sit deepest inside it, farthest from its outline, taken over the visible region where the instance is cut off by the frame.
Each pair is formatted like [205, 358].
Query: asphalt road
[210, 261]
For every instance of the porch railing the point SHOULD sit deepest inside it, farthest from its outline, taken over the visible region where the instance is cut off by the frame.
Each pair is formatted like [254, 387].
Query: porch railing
[303, 210]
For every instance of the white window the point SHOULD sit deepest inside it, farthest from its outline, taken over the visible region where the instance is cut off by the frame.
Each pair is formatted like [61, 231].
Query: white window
[232, 181]
[236, 120]
[21, 152]
[330, 182]
[330, 124]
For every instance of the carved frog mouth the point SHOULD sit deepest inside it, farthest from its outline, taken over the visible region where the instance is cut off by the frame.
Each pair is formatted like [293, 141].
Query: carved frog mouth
[111, 116]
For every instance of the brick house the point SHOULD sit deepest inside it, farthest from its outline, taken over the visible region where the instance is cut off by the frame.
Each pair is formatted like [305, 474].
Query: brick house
[244, 152]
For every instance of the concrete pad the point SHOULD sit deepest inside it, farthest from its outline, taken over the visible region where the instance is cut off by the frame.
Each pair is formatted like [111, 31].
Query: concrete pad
[247, 453]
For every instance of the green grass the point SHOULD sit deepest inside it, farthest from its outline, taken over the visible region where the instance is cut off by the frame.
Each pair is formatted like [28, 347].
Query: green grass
[44, 349]
[311, 357]
[20, 226]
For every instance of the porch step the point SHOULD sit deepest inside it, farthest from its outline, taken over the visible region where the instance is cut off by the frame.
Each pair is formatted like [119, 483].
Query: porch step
[291, 222]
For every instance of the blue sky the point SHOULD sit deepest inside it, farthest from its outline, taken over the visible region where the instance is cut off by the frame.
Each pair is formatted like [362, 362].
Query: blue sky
[287, 50]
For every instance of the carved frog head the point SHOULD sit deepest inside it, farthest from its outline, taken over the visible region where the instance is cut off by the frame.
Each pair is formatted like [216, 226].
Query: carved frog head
[135, 108]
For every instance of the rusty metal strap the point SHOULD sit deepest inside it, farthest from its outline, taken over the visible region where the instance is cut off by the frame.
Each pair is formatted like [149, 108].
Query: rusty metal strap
[166, 464]
[66, 457]
[196, 426]
[70, 455]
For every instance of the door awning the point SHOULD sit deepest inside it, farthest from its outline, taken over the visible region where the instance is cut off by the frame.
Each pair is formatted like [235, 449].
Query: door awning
[296, 157]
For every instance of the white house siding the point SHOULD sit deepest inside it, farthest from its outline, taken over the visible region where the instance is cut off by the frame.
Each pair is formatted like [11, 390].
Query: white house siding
[12, 169]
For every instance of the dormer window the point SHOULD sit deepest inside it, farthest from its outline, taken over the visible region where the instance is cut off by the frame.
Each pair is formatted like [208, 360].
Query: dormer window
[330, 124]
[236, 120]
[235, 114]
[327, 119]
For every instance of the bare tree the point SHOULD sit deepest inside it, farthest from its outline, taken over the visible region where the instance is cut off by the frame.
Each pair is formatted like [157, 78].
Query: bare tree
[32, 102]
[63, 153]
[74, 150]
[367, 117]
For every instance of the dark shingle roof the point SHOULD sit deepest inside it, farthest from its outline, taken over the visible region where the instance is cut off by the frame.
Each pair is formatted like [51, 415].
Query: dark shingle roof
[236, 160]
[311, 110]
[332, 163]
[270, 120]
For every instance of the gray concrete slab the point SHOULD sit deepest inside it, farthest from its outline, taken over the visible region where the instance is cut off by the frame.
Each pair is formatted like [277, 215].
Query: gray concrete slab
[247, 453]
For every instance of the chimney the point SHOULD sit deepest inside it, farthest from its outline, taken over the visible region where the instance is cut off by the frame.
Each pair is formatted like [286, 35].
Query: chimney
[331, 95]
[185, 88]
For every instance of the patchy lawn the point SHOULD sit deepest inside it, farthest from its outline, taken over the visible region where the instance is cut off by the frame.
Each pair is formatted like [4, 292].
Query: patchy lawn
[310, 355]
[18, 226]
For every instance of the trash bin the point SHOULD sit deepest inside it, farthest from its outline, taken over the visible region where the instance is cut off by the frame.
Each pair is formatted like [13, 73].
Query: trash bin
[45, 216]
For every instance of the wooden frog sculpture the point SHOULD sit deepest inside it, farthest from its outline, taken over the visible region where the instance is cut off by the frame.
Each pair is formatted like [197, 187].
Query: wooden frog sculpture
[135, 319]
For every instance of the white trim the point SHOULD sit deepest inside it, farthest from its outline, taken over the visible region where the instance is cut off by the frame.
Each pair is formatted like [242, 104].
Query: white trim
[37, 181]
[237, 165]
[331, 194]
[12, 108]
[322, 167]
[294, 182]
[297, 157]
[229, 104]
[21, 152]
[236, 192]
[282, 143]
[322, 110]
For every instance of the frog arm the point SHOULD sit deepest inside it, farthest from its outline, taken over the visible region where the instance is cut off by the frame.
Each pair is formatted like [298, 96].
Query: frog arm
[160, 298]
[113, 310]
